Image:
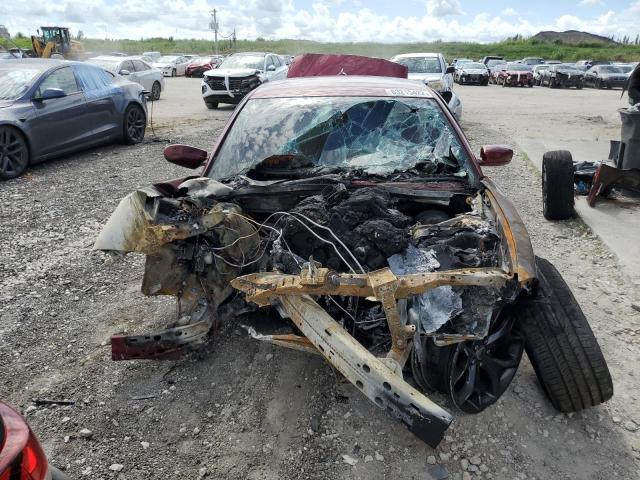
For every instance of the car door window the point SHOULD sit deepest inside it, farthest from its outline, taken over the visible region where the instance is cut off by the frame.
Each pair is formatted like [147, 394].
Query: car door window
[140, 66]
[127, 65]
[276, 61]
[269, 62]
[63, 78]
[93, 81]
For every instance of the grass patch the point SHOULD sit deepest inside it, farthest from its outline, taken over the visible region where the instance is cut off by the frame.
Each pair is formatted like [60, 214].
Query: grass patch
[510, 49]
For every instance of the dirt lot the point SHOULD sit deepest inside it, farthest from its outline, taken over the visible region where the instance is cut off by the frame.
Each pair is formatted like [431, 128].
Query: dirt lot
[243, 409]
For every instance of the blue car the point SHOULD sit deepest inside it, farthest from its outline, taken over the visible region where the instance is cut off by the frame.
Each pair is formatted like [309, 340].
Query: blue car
[50, 108]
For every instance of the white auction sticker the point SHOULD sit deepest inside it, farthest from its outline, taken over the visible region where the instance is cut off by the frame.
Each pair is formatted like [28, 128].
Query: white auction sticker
[401, 92]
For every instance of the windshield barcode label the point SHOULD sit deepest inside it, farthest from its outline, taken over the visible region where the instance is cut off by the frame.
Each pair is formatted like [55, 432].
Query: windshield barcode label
[396, 92]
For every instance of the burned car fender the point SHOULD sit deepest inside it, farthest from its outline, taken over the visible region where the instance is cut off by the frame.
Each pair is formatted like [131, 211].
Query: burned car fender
[515, 236]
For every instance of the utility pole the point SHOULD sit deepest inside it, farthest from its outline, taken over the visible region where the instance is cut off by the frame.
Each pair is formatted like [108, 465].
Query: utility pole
[213, 25]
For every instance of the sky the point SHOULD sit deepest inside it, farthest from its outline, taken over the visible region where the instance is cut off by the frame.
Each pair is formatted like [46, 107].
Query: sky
[330, 20]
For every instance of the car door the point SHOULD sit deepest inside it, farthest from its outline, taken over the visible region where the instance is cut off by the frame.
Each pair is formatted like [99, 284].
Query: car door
[60, 123]
[104, 102]
[127, 66]
[181, 65]
[269, 67]
[143, 74]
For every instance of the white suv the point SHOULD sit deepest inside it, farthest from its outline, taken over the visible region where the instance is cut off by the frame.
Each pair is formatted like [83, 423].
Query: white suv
[432, 69]
[238, 74]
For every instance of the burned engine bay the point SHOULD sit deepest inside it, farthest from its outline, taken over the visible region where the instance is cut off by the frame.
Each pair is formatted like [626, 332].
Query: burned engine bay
[361, 268]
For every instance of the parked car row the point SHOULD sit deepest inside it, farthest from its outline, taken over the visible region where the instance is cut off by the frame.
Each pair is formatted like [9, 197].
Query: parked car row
[532, 71]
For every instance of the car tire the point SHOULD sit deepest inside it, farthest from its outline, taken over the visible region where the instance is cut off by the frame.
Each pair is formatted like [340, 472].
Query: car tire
[552, 82]
[579, 86]
[557, 185]
[134, 124]
[211, 105]
[173, 72]
[156, 90]
[561, 346]
[14, 153]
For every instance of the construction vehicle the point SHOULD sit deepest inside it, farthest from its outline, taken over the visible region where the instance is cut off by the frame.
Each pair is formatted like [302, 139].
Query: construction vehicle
[56, 42]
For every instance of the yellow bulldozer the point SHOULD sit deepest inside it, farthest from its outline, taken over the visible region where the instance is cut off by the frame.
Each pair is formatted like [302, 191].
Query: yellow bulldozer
[56, 42]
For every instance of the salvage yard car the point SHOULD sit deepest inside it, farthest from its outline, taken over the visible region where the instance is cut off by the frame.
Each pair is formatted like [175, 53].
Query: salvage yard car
[354, 208]
[172, 65]
[605, 76]
[537, 73]
[136, 70]
[21, 455]
[431, 69]
[562, 75]
[197, 66]
[238, 74]
[515, 75]
[50, 108]
[472, 72]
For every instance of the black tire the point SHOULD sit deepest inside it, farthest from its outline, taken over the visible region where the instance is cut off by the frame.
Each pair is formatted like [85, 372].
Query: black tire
[211, 105]
[552, 82]
[156, 89]
[557, 185]
[134, 124]
[173, 72]
[14, 153]
[579, 86]
[561, 346]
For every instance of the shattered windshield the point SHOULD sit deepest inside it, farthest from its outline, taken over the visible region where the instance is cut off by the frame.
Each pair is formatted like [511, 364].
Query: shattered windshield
[375, 135]
[243, 61]
[610, 69]
[15, 82]
[474, 66]
[420, 64]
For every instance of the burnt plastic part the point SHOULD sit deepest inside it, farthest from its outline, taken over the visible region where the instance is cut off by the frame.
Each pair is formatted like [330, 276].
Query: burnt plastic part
[144, 347]
[608, 177]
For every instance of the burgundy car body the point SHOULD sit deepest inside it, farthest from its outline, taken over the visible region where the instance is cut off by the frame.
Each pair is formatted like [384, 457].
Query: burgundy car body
[314, 65]
[198, 68]
[512, 78]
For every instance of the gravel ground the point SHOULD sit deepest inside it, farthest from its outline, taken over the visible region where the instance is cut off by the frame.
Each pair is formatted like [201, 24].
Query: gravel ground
[243, 409]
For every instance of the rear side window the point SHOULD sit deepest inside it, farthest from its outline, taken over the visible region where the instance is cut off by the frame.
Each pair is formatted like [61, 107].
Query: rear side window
[62, 78]
[128, 65]
[140, 66]
[93, 80]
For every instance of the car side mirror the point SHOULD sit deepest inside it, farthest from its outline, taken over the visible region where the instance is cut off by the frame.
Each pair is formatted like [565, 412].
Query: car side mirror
[124, 72]
[52, 93]
[495, 155]
[185, 155]
[271, 68]
[450, 69]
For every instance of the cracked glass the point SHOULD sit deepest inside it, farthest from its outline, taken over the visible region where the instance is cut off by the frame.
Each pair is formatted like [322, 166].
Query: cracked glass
[375, 135]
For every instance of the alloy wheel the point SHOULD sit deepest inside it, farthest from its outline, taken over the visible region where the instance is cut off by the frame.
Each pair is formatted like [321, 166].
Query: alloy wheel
[135, 124]
[14, 154]
[480, 371]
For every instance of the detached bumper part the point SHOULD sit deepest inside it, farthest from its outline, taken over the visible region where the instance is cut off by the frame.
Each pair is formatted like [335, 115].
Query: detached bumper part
[371, 375]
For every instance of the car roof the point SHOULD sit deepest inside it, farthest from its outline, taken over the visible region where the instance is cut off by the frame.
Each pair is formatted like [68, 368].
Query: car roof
[42, 64]
[342, 86]
[408, 55]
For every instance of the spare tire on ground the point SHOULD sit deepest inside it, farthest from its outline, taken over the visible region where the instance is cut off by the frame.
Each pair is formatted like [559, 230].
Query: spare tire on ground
[557, 185]
[561, 346]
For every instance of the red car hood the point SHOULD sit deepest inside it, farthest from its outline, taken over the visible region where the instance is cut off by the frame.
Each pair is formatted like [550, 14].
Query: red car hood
[200, 64]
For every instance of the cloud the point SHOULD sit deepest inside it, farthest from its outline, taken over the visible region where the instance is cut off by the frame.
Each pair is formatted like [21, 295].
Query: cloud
[590, 3]
[324, 21]
[509, 12]
[443, 8]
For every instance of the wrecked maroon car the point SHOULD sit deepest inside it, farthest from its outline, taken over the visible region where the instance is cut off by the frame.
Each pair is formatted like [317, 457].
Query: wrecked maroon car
[515, 75]
[353, 209]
